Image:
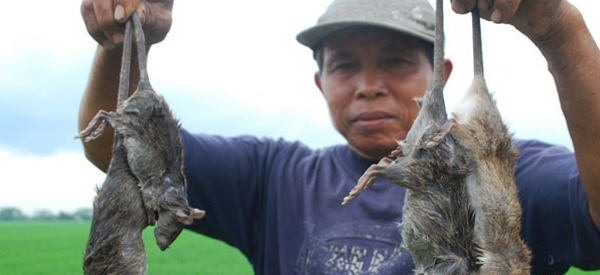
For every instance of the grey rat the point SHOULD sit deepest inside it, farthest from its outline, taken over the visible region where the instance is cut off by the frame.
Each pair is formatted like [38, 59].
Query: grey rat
[145, 183]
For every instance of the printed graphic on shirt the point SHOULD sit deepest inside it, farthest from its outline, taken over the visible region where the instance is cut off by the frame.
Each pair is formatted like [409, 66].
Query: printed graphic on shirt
[354, 249]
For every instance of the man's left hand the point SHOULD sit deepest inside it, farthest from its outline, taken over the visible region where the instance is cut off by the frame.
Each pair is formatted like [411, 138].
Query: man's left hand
[539, 20]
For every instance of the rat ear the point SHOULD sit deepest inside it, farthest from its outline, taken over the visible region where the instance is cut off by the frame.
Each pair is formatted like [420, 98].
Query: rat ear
[132, 110]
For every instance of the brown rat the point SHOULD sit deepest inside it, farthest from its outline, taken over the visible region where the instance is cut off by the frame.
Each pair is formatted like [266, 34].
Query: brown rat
[491, 186]
[461, 212]
[145, 182]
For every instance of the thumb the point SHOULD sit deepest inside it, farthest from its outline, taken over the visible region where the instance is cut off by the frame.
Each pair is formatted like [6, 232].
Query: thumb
[124, 9]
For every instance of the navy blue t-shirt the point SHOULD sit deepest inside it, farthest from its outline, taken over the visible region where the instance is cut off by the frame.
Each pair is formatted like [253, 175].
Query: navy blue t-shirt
[279, 203]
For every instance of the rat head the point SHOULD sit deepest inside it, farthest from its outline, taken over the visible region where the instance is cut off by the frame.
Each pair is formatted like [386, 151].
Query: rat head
[173, 213]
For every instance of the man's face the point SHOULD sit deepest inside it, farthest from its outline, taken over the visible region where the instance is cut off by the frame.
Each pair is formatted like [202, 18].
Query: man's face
[370, 78]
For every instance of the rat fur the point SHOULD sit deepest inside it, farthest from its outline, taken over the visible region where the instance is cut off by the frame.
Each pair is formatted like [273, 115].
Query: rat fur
[145, 183]
[461, 212]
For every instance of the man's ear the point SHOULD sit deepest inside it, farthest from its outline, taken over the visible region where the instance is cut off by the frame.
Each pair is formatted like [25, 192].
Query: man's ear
[318, 81]
[447, 70]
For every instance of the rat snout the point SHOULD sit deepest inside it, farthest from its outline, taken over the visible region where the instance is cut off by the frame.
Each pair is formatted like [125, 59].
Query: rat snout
[191, 215]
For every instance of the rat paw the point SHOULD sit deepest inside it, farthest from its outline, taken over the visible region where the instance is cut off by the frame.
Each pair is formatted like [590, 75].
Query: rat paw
[96, 126]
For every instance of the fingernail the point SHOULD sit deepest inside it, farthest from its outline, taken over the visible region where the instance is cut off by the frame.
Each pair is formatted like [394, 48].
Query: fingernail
[119, 13]
[497, 16]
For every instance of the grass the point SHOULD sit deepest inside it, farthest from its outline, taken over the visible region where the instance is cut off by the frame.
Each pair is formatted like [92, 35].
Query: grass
[41, 248]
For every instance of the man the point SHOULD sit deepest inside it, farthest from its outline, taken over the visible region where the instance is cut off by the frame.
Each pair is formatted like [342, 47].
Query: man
[279, 202]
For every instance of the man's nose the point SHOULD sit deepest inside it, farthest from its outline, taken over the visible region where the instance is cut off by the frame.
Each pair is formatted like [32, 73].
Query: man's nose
[371, 85]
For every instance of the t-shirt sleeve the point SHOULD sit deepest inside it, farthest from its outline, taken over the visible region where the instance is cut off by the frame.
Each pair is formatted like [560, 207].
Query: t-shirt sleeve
[556, 222]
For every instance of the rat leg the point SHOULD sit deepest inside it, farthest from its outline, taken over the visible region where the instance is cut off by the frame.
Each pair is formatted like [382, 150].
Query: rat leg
[444, 130]
[368, 177]
[372, 173]
[96, 126]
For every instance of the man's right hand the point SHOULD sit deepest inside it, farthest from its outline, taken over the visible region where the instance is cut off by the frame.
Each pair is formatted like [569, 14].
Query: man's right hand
[104, 19]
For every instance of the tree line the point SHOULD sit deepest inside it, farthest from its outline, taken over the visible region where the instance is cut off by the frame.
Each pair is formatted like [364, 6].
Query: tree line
[16, 214]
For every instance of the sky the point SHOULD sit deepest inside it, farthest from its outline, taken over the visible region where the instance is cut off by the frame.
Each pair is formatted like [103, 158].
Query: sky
[228, 68]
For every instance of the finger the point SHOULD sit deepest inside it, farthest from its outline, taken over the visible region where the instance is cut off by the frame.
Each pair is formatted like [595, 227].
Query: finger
[141, 12]
[485, 8]
[124, 9]
[122, 13]
[104, 12]
[463, 6]
[485, 5]
[503, 10]
[92, 26]
[156, 18]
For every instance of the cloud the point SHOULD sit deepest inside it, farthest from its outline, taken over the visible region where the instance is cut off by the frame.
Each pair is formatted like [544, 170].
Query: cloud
[61, 181]
[235, 68]
[40, 114]
[50, 30]
[226, 67]
[44, 63]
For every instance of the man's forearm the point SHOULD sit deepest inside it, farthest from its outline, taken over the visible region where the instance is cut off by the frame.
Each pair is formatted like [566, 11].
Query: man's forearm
[574, 61]
[101, 94]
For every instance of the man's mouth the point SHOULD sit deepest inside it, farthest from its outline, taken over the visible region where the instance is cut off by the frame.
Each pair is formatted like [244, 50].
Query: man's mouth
[373, 120]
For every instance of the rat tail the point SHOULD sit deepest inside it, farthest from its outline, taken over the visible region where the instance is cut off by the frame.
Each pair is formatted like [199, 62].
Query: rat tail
[477, 48]
[433, 101]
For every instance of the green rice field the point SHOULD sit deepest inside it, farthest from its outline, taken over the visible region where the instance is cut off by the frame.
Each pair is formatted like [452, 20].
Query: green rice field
[42, 248]
[56, 248]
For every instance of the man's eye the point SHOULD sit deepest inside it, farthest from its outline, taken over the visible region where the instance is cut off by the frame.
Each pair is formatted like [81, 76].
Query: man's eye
[393, 61]
[345, 66]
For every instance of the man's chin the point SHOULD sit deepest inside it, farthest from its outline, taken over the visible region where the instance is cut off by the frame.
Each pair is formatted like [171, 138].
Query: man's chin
[374, 150]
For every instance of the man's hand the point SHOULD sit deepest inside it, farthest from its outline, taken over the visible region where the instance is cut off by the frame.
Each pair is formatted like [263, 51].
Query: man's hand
[103, 19]
[540, 20]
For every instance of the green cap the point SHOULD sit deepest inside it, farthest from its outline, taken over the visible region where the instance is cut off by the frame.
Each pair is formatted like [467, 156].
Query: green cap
[413, 17]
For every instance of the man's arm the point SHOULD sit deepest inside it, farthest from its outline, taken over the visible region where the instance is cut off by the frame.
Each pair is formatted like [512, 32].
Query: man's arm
[574, 61]
[101, 94]
[103, 20]
[557, 28]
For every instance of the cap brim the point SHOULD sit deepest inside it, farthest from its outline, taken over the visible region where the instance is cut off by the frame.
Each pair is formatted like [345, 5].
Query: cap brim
[312, 36]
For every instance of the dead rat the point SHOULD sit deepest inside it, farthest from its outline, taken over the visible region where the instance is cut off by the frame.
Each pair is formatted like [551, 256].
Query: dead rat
[147, 157]
[437, 222]
[115, 244]
[461, 212]
[491, 186]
